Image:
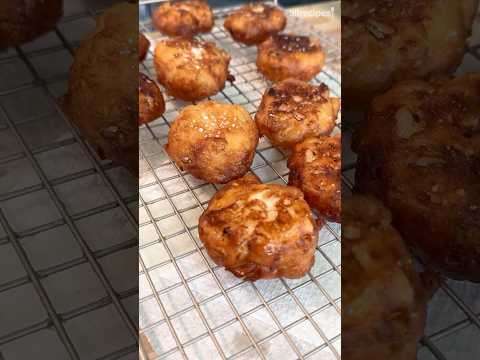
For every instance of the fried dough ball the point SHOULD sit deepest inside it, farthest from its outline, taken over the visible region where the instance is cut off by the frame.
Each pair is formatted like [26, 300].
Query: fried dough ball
[191, 69]
[150, 100]
[419, 151]
[293, 110]
[386, 41]
[23, 21]
[143, 45]
[254, 23]
[102, 97]
[184, 18]
[212, 141]
[384, 299]
[315, 169]
[285, 56]
[259, 231]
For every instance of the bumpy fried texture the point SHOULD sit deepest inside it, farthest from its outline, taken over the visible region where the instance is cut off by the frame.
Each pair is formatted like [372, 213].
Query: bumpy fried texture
[143, 45]
[23, 21]
[102, 97]
[191, 69]
[150, 100]
[259, 231]
[384, 304]
[254, 23]
[183, 18]
[315, 169]
[212, 141]
[293, 110]
[391, 40]
[285, 56]
[419, 151]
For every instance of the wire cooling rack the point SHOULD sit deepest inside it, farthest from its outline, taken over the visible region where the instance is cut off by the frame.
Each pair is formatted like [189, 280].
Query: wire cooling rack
[68, 226]
[191, 308]
[453, 323]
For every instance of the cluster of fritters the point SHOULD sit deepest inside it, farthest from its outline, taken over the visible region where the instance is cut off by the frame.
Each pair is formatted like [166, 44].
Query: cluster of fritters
[418, 168]
[254, 230]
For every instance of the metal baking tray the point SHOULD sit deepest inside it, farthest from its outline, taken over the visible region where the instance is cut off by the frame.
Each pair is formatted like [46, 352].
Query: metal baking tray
[191, 308]
[453, 324]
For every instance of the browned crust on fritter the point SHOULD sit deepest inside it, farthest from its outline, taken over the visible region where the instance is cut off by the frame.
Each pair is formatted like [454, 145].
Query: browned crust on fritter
[213, 142]
[183, 18]
[259, 231]
[292, 110]
[285, 56]
[419, 151]
[143, 45]
[191, 69]
[315, 168]
[254, 23]
[150, 100]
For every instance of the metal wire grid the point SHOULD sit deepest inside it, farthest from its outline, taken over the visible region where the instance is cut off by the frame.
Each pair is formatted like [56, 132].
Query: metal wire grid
[63, 285]
[453, 324]
[191, 308]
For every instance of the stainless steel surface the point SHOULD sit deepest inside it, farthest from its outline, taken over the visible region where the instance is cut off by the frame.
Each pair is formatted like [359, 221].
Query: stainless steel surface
[191, 308]
[453, 324]
[62, 289]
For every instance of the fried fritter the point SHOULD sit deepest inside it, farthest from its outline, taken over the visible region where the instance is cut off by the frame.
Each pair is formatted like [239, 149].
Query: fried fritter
[293, 110]
[384, 299]
[184, 18]
[212, 141]
[23, 21]
[191, 69]
[285, 56]
[254, 23]
[143, 45]
[150, 100]
[315, 168]
[419, 151]
[388, 41]
[259, 231]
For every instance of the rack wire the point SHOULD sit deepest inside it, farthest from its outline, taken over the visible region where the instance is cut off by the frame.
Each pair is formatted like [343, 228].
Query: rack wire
[453, 323]
[191, 308]
[65, 292]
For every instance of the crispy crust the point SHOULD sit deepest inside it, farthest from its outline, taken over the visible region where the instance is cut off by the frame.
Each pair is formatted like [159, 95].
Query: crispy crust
[212, 141]
[254, 23]
[293, 110]
[284, 56]
[259, 231]
[143, 45]
[23, 21]
[418, 151]
[315, 168]
[150, 100]
[190, 69]
[106, 111]
[184, 18]
[387, 41]
[384, 309]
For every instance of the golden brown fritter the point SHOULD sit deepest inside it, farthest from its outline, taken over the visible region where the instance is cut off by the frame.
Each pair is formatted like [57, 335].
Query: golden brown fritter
[150, 100]
[259, 231]
[293, 110]
[212, 141]
[191, 69]
[254, 23]
[419, 151]
[315, 168]
[384, 302]
[102, 97]
[184, 18]
[23, 21]
[143, 45]
[388, 41]
[284, 56]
